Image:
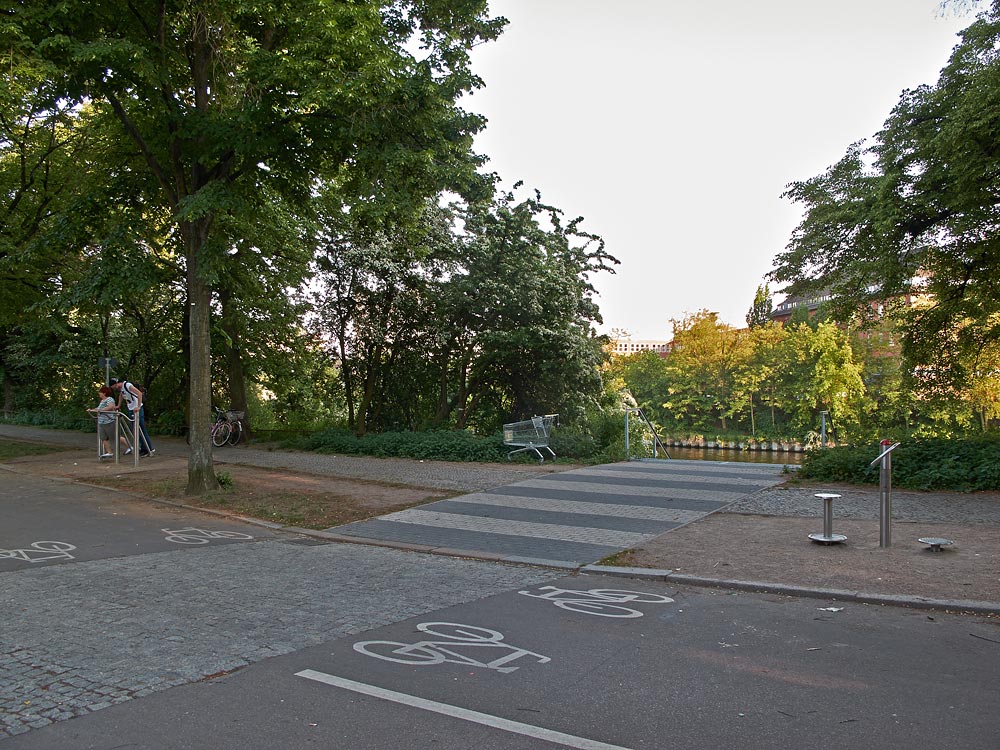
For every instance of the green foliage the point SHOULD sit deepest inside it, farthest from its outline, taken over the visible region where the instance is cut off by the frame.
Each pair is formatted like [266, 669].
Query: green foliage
[933, 464]
[915, 214]
[442, 445]
[760, 312]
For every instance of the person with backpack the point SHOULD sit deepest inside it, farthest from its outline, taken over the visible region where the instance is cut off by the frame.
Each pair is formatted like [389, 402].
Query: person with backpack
[133, 395]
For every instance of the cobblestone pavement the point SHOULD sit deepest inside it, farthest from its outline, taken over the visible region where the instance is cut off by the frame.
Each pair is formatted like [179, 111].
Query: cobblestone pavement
[80, 637]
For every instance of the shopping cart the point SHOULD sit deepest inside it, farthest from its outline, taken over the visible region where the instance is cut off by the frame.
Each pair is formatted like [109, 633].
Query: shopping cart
[530, 435]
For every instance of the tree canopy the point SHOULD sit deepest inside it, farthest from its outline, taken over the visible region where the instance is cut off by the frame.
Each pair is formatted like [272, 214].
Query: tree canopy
[913, 219]
[212, 102]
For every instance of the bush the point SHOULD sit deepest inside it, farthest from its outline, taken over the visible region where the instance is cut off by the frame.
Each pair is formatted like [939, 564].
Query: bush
[928, 464]
[438, 446]
[443, 445]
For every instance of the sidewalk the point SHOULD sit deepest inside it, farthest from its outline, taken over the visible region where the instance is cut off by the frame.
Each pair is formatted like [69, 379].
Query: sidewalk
[759, 542]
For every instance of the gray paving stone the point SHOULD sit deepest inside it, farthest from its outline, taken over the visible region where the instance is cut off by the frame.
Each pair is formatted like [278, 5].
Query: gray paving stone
[156, 637]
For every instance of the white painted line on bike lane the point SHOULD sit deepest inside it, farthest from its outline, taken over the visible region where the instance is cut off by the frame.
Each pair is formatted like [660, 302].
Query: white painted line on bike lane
[496, 722]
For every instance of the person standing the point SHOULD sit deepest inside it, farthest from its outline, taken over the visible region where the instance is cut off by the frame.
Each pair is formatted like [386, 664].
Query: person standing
[133, 399]
[105, 412]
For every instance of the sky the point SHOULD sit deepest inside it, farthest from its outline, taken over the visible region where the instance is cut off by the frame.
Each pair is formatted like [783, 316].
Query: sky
[674, 126]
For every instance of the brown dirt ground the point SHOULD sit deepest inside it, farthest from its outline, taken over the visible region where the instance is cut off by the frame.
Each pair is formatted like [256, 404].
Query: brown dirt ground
[280, 496]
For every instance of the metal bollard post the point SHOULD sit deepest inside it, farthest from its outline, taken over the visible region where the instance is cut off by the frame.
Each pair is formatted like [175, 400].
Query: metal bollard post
[885, 493]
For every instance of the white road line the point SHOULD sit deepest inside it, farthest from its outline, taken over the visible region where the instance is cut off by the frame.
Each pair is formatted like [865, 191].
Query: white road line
[515, 727]
[458, 521]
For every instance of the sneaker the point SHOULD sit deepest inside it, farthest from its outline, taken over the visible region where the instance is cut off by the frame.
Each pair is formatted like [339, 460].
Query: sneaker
[127, 452]
[107, 455]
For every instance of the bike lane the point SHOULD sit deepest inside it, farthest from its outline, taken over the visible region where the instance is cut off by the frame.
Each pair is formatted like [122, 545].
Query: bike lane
[45, 522]
[571, 663]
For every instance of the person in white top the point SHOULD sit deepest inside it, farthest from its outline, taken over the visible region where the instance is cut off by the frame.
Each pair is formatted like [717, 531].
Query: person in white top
[132, 396]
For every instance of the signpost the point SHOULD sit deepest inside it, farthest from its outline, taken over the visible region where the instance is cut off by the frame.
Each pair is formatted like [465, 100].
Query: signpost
[108, 363]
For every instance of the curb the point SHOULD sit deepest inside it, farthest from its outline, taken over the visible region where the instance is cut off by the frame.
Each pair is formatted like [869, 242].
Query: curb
[895, 600]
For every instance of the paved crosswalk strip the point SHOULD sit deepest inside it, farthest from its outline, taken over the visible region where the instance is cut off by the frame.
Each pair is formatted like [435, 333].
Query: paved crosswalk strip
[573, 517]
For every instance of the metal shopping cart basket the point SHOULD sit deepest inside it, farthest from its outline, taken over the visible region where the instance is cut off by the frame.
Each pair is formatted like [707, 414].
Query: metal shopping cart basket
[530, 435]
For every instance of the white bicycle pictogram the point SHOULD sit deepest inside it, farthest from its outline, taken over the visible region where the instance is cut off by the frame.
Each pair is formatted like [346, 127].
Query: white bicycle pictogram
[599, 602]
[39, 552]
[192, 535]
[457, 636]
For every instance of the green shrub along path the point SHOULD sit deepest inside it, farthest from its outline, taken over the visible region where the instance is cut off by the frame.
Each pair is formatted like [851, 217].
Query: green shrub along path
[965, 465]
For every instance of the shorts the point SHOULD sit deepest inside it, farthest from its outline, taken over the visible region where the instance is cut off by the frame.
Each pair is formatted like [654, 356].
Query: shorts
[106, 431]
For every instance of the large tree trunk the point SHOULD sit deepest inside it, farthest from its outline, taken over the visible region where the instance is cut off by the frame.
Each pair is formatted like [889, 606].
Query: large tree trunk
[201, 473]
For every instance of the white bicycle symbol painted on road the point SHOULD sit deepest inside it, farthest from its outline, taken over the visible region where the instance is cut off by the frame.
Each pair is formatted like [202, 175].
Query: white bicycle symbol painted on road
[458, 636]
[39, 552]
[599, 602]
[192, 535]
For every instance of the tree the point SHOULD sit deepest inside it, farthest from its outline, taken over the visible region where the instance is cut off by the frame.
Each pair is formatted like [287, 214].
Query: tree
[915, 213]
[819, 374]
[760, 313]
[220, 96]
[702, 370]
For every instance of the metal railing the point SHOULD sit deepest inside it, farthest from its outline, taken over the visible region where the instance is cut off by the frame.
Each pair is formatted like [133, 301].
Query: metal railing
[657, 443]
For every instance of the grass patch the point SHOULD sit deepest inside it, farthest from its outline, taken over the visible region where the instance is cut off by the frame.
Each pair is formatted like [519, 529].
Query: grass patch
[16, 448]
[623, 559]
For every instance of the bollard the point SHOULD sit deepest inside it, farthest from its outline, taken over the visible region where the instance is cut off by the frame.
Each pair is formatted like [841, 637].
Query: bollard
[885, 493]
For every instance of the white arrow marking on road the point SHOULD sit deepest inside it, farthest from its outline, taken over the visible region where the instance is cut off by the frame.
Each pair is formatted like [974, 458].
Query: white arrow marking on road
[516, 727]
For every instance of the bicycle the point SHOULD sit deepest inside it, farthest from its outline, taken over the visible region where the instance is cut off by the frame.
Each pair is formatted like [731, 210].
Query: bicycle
[458, 636]
[192, 535]
[228, 427]
[600, 602]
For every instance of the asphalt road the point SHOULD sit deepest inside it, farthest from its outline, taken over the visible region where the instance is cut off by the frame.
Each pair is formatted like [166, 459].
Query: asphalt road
[513, 671]
[274, 641]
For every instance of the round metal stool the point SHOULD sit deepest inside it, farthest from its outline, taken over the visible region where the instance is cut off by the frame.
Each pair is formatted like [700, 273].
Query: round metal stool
[827, 537]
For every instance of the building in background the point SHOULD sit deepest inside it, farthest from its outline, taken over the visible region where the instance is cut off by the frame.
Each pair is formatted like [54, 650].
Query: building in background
[628, 346]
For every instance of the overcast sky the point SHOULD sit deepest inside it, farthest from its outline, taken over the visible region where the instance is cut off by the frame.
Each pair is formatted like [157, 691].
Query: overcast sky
[673, 127]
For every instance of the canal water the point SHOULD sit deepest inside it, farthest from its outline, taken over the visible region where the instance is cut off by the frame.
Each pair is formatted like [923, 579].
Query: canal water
[733, 454]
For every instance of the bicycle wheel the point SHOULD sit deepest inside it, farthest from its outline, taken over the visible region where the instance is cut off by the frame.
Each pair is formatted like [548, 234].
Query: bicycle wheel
[458, 632]
[221, 434]
[236, 433]
[401, 653]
